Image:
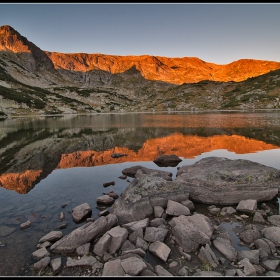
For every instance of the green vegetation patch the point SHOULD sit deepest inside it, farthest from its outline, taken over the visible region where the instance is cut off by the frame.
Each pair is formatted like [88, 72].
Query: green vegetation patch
[22, 97]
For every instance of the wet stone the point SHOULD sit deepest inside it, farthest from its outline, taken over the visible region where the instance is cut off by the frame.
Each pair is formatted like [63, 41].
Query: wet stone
[63, 226]
[41, 264]
[52, 236]
[25, 225]
[56, 265]
[61, 216]
[80, 212]
[46, 244]
[40, 253]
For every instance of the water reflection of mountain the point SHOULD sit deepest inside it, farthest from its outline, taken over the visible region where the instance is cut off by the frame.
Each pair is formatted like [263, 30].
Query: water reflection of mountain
[28, 155]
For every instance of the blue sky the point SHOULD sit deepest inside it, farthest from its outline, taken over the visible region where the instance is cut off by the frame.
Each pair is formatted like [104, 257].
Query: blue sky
[218, 33]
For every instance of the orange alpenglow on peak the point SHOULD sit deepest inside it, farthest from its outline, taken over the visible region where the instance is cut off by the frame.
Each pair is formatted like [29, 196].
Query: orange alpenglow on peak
[157, 68]
[172, 70]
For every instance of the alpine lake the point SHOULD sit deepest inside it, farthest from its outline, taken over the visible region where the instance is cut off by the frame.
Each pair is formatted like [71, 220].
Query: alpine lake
[51, 164]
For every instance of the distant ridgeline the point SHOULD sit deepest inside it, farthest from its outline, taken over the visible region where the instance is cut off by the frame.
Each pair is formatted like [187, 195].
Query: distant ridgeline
[33, 81]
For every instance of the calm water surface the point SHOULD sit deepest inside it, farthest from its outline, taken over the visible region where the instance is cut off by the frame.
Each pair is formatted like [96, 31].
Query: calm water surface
[47, 162]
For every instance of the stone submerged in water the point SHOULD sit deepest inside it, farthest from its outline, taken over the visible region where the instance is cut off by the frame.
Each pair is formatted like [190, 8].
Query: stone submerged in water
[223, 181]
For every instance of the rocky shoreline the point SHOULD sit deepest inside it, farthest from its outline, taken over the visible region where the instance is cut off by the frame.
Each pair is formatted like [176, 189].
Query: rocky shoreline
[154, 227]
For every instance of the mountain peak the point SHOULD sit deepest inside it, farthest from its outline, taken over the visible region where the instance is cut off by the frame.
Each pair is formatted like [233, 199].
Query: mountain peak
[12, 41]
[7, 28]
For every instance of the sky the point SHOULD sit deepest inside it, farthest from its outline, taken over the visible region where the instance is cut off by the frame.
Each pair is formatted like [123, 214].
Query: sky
[217, 33]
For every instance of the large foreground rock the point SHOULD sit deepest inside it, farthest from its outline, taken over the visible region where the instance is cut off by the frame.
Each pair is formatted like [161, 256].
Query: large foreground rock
[142, 194]
[221, 181]
[84, 234]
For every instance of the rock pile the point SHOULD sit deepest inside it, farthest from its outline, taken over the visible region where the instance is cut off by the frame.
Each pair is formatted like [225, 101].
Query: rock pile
[153, 229]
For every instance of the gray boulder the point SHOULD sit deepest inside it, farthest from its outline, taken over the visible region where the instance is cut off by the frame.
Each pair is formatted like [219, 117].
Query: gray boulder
[40, 253]
[258, 218]
[207, 256]
[118, 236]
[274, 220]
[153, 234]
[270, 264]
[84, 234]
[102, 245]
[133, 266]
[137, 233]
[157, 222]
[87, 261]
[160, 250]
[250, 234]
[83, 250]
[247, 206]
[25, 225]
[41, 264]
[81, 211]
[105, 199]
[226, 211]
[266, 245]
[141, 243]
[51, 236]
[56, 264]
[192, 231]
[158, 211]
[160, 271]
[253, 256]
[224, 244]
[208, 273]
[248, 268]
[217, 180]
[133, 226]
[272, 234]
[142, 194]
[131, 172]
[113, 268]
[176, 209]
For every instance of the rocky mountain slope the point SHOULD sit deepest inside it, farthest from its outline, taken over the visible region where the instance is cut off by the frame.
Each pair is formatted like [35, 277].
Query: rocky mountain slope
[33, 81]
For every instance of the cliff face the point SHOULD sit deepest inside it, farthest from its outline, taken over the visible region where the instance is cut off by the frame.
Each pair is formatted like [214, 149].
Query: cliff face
[172, 70]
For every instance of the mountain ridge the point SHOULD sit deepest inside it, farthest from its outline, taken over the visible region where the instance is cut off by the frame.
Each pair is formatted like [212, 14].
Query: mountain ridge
[172, 70]
[33, 81]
